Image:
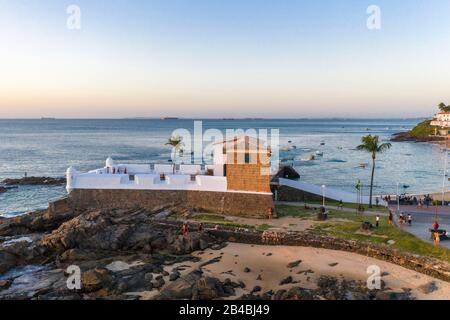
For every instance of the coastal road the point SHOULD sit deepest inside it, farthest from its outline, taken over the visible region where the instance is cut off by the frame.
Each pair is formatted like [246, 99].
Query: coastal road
[423, 219]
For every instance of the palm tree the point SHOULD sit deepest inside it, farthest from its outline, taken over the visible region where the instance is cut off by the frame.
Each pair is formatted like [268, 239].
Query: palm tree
[371, 144]
[177, 147]
[443, 107]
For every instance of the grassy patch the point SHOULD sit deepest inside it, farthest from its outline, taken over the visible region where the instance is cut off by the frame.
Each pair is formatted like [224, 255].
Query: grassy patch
[263, 227]
[283, 210]
[352, 206]
[220, 220]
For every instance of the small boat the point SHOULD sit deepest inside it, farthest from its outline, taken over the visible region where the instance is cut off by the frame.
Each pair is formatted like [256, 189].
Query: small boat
[290, 141]
[322, 143]
[308, 158]
[363, 165]
[319, 153]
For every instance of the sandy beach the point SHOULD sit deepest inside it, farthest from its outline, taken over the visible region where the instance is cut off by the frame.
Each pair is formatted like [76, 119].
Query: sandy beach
[270, 265]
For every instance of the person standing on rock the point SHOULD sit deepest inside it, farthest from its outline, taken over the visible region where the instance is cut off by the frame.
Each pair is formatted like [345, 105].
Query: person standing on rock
[270, 213]
[185, 229]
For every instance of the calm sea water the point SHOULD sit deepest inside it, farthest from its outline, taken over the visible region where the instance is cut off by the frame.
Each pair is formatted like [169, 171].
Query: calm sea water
[48, 147]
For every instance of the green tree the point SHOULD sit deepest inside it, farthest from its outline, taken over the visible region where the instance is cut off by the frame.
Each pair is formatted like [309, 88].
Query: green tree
[177, 147]
[372, 145]
[443, 107]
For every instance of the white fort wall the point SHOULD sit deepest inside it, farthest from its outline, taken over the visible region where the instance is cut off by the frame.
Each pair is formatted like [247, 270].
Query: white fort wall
[143, 177]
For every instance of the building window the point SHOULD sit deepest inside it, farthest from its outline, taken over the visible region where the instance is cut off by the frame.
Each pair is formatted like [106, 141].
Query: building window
[247, 158]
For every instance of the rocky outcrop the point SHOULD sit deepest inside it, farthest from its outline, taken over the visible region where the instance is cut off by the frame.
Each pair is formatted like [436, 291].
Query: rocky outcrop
[34, 181]
[119, 230]
[330, 288]
[40, 221]
[194, 286]
[407, 136]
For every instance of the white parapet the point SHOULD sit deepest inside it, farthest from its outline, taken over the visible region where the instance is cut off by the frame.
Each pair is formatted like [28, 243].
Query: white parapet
[141, 177]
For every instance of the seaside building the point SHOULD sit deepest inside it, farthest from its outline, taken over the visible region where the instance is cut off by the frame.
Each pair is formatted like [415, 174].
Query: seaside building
[441, 122]
[236, 183]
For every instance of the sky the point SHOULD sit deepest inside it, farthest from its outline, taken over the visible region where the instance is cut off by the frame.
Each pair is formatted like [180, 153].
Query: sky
[223, 58]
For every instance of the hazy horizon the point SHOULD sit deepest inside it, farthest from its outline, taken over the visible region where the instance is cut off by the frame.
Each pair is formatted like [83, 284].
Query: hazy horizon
[223, 59]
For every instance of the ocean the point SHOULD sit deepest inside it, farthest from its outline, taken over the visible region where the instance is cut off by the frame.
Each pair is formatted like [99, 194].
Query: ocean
[48, 147]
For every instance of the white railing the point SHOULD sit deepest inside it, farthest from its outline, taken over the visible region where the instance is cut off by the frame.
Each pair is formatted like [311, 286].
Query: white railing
[330, 193]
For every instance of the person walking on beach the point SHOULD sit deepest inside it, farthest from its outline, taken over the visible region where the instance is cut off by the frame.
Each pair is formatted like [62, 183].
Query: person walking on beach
[377, 221]
[341, 205]
[409, 219]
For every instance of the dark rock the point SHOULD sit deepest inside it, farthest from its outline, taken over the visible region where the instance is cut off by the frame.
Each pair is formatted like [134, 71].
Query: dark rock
[256, 289]
[5, 284]
[279, 295]
[207, 289]
[182, 288]
[294, 264]
[33, 181]
[259, 277]
[334, 264]
[174, 276]
[384, 295]
[214, 260]
[428, 287]
[300, 294]
[148, 276]
[247, 270]
[96, 279]
[158, 282]
[286, 281]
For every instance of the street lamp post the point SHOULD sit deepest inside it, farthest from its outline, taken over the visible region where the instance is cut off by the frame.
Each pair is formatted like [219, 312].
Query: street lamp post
[323, 195]
[398, 199]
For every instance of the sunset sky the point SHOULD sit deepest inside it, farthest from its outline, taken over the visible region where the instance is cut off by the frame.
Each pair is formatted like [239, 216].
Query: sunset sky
[223, 58]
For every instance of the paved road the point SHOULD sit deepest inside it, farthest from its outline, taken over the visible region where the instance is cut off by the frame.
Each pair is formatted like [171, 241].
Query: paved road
[423, 219]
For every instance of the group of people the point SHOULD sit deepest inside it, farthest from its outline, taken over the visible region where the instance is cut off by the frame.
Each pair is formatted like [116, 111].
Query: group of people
[113, 170]
[405, 199]
[185, 229]
[402, 219]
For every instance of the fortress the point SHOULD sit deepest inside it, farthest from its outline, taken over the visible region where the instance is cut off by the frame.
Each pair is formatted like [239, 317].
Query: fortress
[236, 183]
